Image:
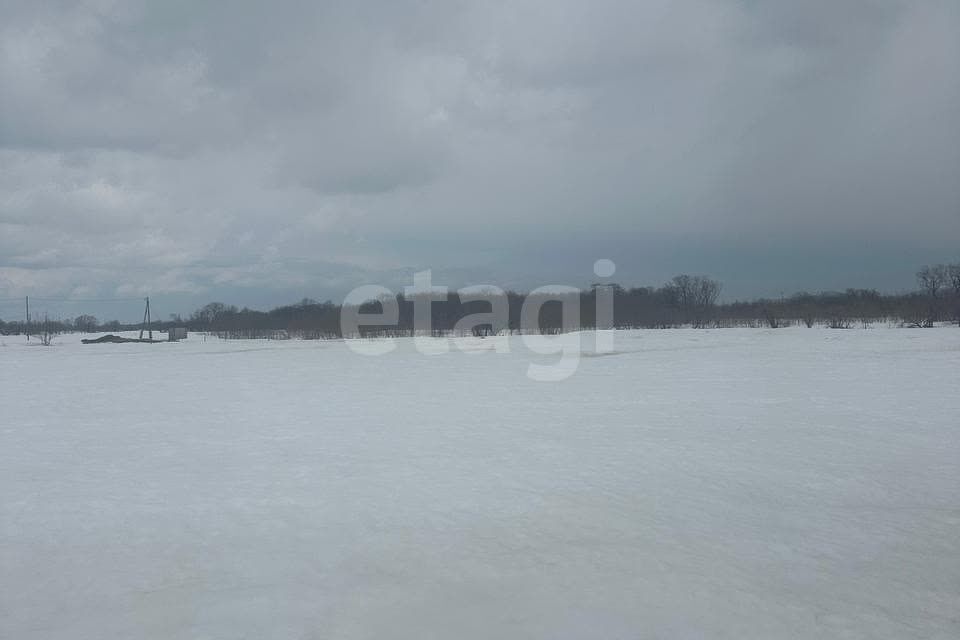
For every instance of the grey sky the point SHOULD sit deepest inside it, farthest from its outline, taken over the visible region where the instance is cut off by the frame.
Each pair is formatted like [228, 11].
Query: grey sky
[262, 152]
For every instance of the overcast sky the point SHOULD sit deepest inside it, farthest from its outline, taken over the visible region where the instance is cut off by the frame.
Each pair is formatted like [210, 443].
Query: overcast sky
[257, 153]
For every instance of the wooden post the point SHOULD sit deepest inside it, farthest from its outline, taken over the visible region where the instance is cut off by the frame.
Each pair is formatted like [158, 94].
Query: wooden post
[28, 318]
[146, 314]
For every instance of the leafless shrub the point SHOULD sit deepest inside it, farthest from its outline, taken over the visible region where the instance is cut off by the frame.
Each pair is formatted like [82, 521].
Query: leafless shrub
[772, 318]
[837, 321]
[47, 332]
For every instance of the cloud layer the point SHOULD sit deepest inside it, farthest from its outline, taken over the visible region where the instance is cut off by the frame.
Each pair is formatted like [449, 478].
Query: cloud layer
[271, 151]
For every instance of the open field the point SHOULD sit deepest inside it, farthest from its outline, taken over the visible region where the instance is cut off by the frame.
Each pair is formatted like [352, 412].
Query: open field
[714, 483]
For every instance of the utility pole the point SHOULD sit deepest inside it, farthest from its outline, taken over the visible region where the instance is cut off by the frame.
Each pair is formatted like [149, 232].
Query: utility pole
[28, 318]
[147, 324]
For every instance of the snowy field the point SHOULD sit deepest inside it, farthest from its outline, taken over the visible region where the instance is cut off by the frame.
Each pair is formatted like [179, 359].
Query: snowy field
[798, 483]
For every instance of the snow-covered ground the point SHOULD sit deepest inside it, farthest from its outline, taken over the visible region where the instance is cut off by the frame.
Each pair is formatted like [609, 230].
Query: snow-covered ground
[798, 483]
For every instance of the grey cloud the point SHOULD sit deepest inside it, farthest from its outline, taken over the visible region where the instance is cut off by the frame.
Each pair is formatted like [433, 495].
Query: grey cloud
[297, 148]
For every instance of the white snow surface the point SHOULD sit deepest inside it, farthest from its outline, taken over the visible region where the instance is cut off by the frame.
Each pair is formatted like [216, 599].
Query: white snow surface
[796, 483]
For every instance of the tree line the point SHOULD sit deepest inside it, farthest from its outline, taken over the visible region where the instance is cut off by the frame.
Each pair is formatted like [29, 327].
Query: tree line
[683, 301]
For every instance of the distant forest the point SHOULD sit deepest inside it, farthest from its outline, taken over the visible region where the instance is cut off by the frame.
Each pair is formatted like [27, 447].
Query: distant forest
[685, 301]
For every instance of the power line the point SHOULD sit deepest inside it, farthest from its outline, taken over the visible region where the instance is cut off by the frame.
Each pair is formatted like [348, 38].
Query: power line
[27, 308]
[99, 300]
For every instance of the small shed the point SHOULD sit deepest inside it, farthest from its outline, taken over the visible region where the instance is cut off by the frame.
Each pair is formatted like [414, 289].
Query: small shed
[176, 333]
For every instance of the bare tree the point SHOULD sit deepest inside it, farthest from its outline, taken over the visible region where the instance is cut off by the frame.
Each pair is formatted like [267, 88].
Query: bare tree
[696, 296]
[953, 274]
[706, 291]
[85, 323]
[932, 280]
[47, 332]
[682, 289]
